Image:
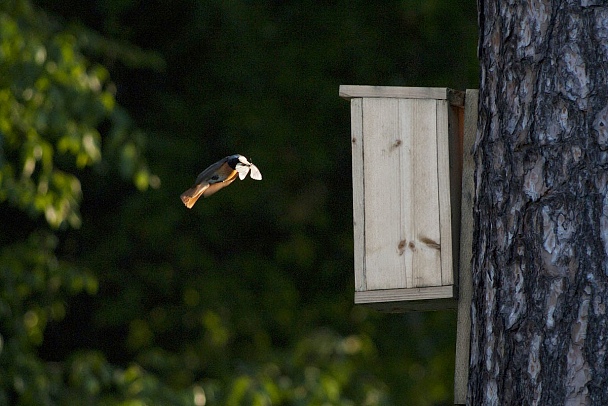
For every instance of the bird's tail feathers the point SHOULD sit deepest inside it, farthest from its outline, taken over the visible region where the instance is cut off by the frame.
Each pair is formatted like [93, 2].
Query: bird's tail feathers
[190, 196]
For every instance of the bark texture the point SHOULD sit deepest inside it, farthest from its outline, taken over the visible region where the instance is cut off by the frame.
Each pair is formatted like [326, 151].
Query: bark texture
[540, 256]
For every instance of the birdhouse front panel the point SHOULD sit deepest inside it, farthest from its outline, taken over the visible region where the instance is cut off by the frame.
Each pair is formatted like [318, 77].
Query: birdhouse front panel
[404, 247]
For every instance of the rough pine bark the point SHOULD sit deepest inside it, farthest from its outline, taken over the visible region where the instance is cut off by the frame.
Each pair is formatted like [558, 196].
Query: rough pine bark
[540, 255]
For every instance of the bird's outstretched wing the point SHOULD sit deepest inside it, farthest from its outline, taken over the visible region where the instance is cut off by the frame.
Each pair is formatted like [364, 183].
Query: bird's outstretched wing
[207, 173]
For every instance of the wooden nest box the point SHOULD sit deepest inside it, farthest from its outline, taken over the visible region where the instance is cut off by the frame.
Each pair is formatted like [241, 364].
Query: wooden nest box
[407, 169]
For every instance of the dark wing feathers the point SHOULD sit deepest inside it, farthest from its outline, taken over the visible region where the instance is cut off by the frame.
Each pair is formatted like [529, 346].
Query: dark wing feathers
[207, 173]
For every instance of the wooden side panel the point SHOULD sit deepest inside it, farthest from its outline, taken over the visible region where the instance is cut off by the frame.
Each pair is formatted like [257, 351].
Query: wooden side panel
[358, 192]
[443, 178]
[456, 137]
[463, 331]
[382, 179]
[424, 237]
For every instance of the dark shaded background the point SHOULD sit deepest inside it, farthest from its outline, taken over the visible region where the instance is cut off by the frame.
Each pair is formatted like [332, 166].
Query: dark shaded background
[248, 297]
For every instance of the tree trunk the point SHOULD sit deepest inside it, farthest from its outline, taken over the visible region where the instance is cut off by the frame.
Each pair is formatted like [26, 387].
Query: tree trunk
[539, 324]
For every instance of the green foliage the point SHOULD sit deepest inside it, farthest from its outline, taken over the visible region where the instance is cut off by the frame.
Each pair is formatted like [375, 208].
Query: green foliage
[52, 103]
[114, 297]
[35, 285]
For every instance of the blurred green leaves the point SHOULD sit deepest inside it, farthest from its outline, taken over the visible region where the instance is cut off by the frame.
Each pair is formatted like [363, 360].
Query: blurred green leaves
[35, 287]
[322, 370]
[53, 101]
[54, 105]
[113, 297]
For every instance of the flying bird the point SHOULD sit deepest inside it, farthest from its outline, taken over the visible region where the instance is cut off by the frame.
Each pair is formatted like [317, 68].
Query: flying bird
[219, 175]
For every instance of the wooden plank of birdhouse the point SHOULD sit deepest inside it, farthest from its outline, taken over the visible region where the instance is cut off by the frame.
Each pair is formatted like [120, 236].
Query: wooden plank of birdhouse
[358, 192]
[384, 263]
[456, 137]
[455, 97]
[443, 179]
[407, 150]
[422, 118]
[465, 284]
[352, 91]
[405, 295]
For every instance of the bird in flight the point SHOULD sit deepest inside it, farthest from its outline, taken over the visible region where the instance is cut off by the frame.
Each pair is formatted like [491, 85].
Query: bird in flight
[219, 175]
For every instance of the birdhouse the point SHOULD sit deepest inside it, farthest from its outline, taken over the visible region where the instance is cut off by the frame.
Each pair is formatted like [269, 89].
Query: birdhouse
[407, 165]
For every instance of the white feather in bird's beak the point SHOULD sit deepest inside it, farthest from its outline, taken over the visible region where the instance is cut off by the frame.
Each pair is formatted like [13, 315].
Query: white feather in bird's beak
[244, 166]
[255, 172]
[242, 170]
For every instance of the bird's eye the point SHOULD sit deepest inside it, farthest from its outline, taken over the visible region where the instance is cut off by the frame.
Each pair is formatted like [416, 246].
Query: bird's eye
[215, 177]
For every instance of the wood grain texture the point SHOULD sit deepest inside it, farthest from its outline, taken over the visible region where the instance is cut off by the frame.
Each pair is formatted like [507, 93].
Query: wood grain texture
[348, 91]
[407, 151]
[465, 285]
[358, 192]
[396, 295]
[425, 232]
[383, 201]
[445, 191]
[454, 97]
[402, 221]
[404, 192]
